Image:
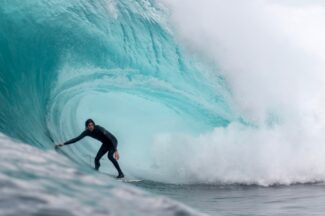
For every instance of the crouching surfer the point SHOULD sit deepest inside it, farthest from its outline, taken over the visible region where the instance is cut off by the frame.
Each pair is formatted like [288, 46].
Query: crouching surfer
[109, 144]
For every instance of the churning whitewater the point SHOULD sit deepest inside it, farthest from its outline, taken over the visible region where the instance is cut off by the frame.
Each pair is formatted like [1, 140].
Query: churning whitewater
[210, 92]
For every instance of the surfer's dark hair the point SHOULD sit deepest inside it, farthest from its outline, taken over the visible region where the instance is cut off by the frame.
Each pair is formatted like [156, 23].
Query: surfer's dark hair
[89, 121]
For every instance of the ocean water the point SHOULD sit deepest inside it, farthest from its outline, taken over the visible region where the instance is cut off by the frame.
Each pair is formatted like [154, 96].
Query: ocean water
[218, 106]
[305, 199]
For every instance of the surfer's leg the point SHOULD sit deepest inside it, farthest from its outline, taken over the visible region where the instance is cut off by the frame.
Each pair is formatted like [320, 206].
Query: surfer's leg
[103, 149]
[115, 163]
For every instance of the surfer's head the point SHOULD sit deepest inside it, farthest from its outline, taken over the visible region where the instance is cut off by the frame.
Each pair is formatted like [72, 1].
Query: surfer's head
[90, 124]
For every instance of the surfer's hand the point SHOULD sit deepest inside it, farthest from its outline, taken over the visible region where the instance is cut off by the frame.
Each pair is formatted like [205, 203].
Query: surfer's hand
[59, 145]
[116, 155]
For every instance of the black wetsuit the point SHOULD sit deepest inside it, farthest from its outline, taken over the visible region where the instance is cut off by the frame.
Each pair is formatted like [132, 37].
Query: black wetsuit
[109, 144]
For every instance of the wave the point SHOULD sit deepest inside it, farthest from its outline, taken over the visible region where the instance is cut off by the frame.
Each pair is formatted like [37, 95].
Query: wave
[117, 62]
[183, 100]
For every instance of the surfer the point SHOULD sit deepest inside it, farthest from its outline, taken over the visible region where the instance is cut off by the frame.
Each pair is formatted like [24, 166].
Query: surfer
[109, 144]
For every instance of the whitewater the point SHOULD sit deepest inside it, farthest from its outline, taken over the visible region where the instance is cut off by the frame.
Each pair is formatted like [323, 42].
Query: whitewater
[218, 106]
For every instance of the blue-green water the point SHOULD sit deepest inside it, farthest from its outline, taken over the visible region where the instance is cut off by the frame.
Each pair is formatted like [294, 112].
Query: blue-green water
[114, 61]
[173, 112]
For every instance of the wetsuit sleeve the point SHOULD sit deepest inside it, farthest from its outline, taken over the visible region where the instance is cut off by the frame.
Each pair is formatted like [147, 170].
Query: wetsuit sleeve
[82, 135]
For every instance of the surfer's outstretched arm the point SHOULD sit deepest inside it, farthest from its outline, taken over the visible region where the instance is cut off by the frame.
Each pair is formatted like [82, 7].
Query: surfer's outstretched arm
[76, 139]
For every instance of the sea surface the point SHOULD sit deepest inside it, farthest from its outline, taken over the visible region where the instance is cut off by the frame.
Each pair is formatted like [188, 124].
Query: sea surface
[246, 200]
[218, 106]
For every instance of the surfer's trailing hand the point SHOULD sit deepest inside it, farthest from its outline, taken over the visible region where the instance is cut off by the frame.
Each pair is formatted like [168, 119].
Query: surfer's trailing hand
[116, 155]
[59, 145]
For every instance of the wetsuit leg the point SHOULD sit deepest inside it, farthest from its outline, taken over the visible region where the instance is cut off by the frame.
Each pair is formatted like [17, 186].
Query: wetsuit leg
[103, 149]
[115, 163]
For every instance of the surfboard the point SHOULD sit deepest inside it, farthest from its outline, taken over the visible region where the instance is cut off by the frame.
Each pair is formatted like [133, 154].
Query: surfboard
[125, 179]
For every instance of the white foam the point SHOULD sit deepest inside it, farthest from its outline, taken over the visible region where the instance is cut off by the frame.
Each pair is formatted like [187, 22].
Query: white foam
[55, 186]
[272, 55]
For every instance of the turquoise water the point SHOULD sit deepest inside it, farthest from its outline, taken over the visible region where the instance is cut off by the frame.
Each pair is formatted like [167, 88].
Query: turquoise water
[116, 62]
[59, 54]
[173, 112]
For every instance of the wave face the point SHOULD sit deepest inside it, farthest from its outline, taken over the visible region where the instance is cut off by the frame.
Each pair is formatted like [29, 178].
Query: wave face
[64, 61]
[186, 107]
[114, 61]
